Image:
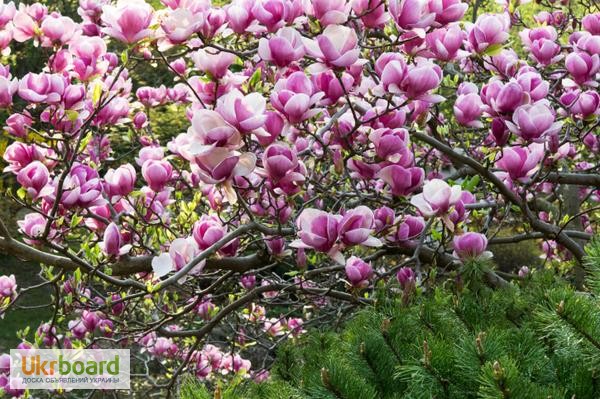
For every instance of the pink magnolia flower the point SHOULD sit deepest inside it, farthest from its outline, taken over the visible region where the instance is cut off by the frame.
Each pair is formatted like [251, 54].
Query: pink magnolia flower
[402, 181]
[336, 46]
[521, 162]
[445, 43]
[545, 51]
[208, 131]
[330, 85]
[18, 124]
[7, 13]
[213, 61]
[533, 121]
[240, 15]
[503, 98]
[410, 14]
[82, 187]
[437, 198]
[406, 277]
[282, 167]
[331, 12]
[245, 113]
[384, 218]
[356, 226]
[7, 89]
[248, 281]
[294, 97]
[24, 26]
[34, 178]
[581, 104]
[270, 13]
[420, 79]
[119, 182]
[129, 21]
[488, 30]
[318, 230]
[221, 164]
[468, 109]
[583, 67]
[43, 87]
[410, 228]
[157, 173]
[149, 152]
[283, 48]
[180, 24]
[112, 243]
[182, 251]
[208, 230]
[8, 287]
[392, 145]
[372, 12]
[32, 226]
[470, 245]
[447, 11]
[358, 272]
[591, 23]
[18, 155]
[87, 60]
[58, 29]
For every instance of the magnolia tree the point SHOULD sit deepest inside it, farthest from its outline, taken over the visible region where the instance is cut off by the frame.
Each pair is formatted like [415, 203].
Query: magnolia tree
[333, 148]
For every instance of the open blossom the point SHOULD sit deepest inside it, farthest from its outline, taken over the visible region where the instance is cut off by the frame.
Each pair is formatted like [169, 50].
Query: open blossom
[282, 167]
[246, 113]
[402, 181]
[488, 30]
[43, 87]
[533, 121]
[157, 173]
[582, 104]
[209, 130]
[470, 245]
[213, 61]
[120, 181]
[445, 43]
[180, 24]
[358, 272]
[372, 12]
[409, 14]
[420, 79]
[88, 53]
[208, 230]
[331, 12]
[182, 251]
[521, 162]
[468, 109]
[112, 243]
[356, 227]
[34, 178]
[318, 230]
[437, 198]
[447, 11]
[336, 46]
[283, 48]
[295, 96]
[128, 21]
[410, 228]
[591, 23]
[270, 13]
[82, 187]
[58, 29]
[392, 145]
[8, 286]
[583, 67]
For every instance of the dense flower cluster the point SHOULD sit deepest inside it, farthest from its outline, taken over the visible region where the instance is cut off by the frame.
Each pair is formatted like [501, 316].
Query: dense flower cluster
[324, 138]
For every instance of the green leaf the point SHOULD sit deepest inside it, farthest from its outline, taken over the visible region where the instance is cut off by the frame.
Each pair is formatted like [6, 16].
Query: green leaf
[493, 50]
